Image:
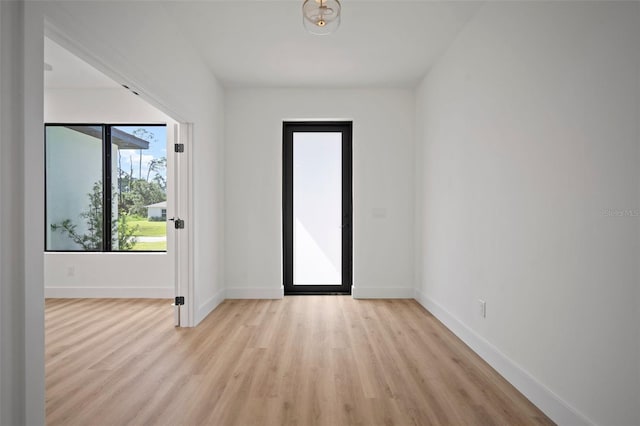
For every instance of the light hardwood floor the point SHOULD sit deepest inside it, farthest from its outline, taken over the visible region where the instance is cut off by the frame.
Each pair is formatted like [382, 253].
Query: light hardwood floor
[303, 360]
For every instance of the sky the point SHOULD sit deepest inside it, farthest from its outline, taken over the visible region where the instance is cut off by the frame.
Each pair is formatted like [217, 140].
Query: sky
[157, 149]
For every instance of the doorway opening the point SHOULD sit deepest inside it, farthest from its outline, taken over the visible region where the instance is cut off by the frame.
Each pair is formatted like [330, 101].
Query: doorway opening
[118, 187]
[317, 207]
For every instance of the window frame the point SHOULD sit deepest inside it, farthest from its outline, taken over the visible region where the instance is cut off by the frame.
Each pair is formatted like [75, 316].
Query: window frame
[107, 181]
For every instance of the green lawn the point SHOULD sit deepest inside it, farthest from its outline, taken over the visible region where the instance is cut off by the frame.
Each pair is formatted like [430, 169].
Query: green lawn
[149, 229]
[157, 246]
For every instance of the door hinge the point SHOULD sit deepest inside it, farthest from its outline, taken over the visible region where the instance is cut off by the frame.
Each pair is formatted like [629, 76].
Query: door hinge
[177, 223]
[179, 301]
[179, 147]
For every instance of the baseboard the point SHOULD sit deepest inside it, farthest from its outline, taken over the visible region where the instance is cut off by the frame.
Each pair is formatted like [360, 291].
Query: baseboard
[552, 405]
[109, 292]
[207, 307]
[382, 293]
[255, 293]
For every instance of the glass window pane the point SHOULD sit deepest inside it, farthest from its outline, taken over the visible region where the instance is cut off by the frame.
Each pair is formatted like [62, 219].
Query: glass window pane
[139, 170]
[317, 208]
[74, 188]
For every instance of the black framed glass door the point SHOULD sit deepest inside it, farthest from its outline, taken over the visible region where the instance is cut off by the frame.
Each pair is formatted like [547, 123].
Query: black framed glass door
[317, 207]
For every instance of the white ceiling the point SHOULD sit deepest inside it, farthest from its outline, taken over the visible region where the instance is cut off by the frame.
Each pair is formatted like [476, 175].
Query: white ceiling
[262, 43]
[70, 72]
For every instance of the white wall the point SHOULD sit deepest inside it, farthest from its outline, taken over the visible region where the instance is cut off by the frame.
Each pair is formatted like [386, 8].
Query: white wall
[12, 274]
[85, 105]
[208, 205]
[151, 57]
[383, 122]
[528, 139]
[31, 98]
[106, 274]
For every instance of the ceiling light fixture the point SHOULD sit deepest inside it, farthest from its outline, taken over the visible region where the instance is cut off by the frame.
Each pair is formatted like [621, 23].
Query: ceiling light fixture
[321, 17]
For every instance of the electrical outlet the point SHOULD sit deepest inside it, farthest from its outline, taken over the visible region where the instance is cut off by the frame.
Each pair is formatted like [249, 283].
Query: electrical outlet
[483, 308]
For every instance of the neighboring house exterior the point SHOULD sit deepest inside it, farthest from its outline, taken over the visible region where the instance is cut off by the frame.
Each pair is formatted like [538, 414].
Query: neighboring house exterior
[157, 210]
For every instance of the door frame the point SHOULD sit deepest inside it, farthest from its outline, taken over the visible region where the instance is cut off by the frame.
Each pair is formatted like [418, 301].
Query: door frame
[182, 248]
[346, 129]
[183, 238]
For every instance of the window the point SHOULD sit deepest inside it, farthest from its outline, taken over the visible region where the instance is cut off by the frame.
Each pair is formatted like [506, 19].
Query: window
[105, 187]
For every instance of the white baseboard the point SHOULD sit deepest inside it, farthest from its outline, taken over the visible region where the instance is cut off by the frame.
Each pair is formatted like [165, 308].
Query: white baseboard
[554, 407]
[255, 293]
[382, 293]
[207, 307]
[109, 292]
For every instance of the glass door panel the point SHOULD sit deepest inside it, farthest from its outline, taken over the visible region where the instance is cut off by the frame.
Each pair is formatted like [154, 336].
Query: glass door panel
[317, 208]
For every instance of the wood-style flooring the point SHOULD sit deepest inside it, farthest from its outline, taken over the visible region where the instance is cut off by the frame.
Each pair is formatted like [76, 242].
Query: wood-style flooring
[302, 360]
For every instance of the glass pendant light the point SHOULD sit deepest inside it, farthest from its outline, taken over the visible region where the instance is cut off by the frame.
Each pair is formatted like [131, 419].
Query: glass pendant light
[321, 17]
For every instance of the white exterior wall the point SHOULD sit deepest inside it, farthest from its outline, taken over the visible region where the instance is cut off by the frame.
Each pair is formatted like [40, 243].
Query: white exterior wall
[383, 122]
[527, 140]
[76, 164]
[154, 212]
